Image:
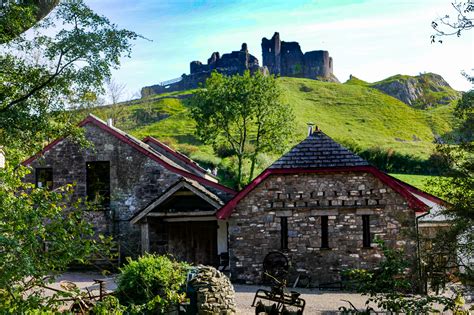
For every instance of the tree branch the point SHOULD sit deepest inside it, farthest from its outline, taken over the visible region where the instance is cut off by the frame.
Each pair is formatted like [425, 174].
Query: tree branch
[59, 70]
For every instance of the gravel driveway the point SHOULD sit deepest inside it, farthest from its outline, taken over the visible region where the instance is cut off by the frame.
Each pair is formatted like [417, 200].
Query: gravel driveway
[317, 301]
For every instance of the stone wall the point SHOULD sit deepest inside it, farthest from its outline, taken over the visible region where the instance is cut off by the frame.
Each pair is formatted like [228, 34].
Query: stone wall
[215, 293]
[236, 62]
[135, 180]
[344, 197]
[287, 59]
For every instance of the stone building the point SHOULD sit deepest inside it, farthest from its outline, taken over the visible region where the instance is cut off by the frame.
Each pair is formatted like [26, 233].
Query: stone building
[322, 206]
[286, 59]
[235, 62]
[147, 196]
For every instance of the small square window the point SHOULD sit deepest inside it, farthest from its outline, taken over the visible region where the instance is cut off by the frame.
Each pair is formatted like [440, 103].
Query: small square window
[44, 178]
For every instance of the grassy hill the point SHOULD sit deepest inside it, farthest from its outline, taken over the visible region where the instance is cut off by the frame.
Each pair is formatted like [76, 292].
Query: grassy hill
[425, 90]
[356, 115]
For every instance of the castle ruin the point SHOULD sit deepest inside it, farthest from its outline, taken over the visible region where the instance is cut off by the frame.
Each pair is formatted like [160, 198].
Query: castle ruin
[279, 58]
[236, 62]
[287, 60]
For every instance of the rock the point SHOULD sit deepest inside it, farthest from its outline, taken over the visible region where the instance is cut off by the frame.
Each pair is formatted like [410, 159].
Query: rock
[418, 90]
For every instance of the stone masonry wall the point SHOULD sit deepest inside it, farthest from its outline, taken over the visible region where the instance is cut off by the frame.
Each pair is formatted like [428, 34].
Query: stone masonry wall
[214, 292]
[344, 197]
[135, 180]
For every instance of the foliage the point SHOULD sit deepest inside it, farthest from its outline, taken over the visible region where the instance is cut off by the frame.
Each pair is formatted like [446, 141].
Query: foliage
[41, 240]
[152, 283]
[48, 73]
[61, 62]
[110, 305]
[412, 304]
[388, 277]
[387, 287]
[456, 243]
[461, 20]
[17, 16]
[245, 114]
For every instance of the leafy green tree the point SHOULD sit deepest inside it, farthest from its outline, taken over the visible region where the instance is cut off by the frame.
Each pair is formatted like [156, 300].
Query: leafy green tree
[457, 188]
[38, 240]
[17, 16]
[43, 231]
[245, 115]
[68, 57]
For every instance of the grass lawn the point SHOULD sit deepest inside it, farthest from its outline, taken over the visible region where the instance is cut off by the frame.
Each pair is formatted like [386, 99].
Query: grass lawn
[419, 181]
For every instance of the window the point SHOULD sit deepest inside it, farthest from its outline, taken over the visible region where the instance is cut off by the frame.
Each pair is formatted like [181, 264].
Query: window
[98, 183]
[366, 230]
[324, 232]
[44, 178]
[284, 232]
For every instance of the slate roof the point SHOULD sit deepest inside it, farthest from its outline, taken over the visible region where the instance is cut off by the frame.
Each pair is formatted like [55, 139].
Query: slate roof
[318, 150]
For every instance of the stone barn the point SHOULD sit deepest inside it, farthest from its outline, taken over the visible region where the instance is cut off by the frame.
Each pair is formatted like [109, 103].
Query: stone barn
[322, 206]
[148, 197]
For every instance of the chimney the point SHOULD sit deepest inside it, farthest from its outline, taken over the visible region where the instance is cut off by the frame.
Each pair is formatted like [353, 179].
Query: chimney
[110, 122]
[310, 128]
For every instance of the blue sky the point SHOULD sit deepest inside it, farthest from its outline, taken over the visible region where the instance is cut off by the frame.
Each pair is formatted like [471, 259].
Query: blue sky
[370, 39]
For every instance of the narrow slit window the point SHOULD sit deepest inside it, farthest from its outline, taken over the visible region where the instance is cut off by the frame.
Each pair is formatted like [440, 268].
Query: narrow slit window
[284, 232]
[366, 231]
[98, 183]
[44, 178]
[324, 232]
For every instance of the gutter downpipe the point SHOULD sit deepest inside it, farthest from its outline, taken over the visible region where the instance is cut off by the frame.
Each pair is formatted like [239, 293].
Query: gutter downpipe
[420, 275]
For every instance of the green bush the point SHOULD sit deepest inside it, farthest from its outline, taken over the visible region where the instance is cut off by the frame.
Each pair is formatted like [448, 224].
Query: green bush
[152, 283]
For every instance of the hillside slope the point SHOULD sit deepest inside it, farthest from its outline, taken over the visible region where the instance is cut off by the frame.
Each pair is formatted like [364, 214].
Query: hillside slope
[354, 114]
[422, 91]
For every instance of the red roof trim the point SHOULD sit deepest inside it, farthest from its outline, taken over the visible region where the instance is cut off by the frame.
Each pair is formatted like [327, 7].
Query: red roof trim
[103, 126]
[420, 192]
[414, 203]
[176, 154]
[42, 152]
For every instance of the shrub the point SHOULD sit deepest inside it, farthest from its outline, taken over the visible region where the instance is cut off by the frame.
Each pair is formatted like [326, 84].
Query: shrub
[152, 283]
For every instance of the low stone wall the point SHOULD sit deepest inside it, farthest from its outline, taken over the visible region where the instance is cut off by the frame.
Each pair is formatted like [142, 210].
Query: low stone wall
[215, 293]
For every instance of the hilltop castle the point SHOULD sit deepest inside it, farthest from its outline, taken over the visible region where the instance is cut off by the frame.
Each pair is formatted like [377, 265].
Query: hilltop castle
[287, 60]
[279, 58]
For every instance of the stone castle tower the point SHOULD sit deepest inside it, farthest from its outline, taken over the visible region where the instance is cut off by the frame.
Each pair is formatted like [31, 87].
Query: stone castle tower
[286, 59]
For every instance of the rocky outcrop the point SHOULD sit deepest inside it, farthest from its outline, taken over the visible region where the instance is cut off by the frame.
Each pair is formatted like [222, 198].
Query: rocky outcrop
[215, 293]
[424, 90]
[287, 59]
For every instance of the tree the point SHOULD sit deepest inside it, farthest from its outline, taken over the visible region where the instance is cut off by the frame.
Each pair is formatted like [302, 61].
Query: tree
[448, 25]
[457, 187]
[74, 62]
[20, 15]
[115, 92]
[43, 231]
[457, 242]
[245, 115]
